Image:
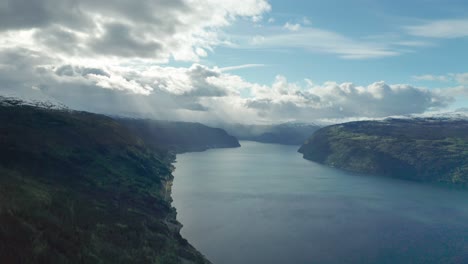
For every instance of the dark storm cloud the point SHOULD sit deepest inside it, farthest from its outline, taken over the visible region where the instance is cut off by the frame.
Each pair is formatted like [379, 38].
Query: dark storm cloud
[199, 76]
[24, 14]
[196, 107]
[59, 39]
[119, 39]
[69, 70]
[21, 14]
[118, 28]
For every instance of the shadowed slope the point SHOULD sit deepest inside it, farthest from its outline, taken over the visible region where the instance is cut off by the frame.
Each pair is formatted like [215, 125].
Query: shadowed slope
[77, 187]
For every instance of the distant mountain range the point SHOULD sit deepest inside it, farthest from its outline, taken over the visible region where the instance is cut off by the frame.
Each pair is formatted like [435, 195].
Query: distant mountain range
[422, 149]
[179, 136]
[286, 133]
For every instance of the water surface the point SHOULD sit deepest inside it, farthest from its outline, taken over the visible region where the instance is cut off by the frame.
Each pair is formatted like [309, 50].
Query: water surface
[263, 203]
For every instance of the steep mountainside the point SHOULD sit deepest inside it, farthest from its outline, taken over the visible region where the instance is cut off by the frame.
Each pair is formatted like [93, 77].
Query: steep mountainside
[77, 187]
[286, 134]
[433, 150]
[179, 136]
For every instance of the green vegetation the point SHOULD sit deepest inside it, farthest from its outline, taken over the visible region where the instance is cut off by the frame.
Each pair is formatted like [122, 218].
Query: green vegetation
[430, 150]
[77, 187]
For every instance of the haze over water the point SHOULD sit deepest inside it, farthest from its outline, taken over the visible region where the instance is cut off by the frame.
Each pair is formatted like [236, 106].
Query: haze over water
[263, 203]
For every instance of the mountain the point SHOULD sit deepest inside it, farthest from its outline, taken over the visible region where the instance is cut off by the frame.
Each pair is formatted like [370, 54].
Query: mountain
[286, 133]
[77, 187]
[421, 149]
[179, 136]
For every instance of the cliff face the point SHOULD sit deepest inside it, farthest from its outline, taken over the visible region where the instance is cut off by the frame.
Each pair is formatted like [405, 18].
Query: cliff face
[179, 136]
[432, 150]
[77, 187]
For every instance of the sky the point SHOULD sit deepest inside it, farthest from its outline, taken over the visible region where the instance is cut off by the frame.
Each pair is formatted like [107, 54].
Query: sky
[240, 61]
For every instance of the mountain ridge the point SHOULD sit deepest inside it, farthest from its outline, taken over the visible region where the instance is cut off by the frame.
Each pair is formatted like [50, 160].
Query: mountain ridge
[78, 187]
[179, 136]
[422, 149]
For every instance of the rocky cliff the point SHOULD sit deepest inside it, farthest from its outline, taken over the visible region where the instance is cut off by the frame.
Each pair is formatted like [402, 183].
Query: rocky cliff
[77, 187]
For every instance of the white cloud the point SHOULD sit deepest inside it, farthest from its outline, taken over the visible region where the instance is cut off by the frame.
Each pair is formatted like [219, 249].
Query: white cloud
[152, 30]
[332, 100]
[459, 78]
[100, 55]
[318, 40]
[429, 77]
[413, 43]
[201, 52]
[292, 27]
[116, 82]
[78, 53]
[257, 40]
[449, 28]
[201, 93]
[195, 81]
[462, 78]
[239, 67]
[459, 81]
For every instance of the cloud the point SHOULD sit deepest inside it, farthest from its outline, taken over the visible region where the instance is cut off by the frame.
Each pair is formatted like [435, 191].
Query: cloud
[323, 41]
[292, 27]
[156, 90]
[119, 39]
[101, 55]
[257, 40]
[78, 53]
[449, 28]
[459, 81]
[459, 78]
[306, 21]
[25, 14]
[110, 90]
[462, 78]
[332, 100]
[70, 70]
[240, 67]
[429, 77]
[195, 81]
[413, 43]
[98, 29]
[201, 93]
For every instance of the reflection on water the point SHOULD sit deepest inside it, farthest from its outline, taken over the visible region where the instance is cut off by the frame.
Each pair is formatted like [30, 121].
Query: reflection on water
[263, 203]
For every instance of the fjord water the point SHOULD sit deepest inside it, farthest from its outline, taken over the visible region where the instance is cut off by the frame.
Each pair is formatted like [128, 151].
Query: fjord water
[263, 203]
